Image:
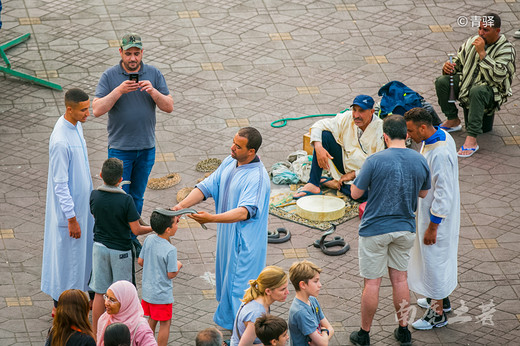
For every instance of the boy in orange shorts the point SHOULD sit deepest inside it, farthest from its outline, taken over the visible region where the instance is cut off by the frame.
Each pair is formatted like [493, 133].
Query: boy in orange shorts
[159, 260]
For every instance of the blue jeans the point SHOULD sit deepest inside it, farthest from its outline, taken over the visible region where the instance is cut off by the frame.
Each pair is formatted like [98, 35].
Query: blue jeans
[334, 149]
[137, 165]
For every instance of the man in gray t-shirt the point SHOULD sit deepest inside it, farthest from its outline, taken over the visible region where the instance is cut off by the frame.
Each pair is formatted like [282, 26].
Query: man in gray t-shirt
[130, 92]
[395, 178]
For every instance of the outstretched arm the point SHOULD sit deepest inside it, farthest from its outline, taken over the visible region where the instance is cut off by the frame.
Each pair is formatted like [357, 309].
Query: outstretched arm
[137, 229]
[196, 196]
[230, 216]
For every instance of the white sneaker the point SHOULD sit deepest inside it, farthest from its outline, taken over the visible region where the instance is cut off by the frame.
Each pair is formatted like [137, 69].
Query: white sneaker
[430, 320]
[425, 304]
[516, 34]
[425, 325]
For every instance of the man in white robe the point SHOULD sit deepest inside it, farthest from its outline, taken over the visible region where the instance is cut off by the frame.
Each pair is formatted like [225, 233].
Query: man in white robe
[341, 145]
[68, 238]
[241, 189]
[432, 270]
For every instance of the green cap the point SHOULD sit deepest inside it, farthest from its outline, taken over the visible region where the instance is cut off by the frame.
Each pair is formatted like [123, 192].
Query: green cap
[131, 40]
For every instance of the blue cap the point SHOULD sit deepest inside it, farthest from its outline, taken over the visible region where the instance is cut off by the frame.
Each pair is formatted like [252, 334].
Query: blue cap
[363, 101]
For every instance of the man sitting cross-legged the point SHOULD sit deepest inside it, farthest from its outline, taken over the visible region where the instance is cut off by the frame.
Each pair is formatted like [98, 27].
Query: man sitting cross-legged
[345, 141]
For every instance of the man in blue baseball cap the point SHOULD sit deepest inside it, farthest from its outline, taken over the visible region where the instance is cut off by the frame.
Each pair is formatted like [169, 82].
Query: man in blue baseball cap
[341, 145]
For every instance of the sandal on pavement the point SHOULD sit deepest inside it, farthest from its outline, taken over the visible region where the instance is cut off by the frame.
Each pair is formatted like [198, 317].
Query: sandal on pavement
[471, 151]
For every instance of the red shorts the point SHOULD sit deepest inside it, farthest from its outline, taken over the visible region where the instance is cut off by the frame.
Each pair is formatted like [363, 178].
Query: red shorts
[157, 312]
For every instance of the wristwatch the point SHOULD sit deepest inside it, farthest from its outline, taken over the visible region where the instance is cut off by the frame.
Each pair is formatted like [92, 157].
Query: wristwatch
[325, 330]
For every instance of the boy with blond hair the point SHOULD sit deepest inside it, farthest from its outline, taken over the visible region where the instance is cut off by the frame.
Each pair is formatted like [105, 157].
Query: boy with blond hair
[307, 323]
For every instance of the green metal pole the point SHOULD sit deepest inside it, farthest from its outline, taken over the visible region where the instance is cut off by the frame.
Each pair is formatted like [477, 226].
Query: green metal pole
[16, 41]
[9, 70]
[31, 78]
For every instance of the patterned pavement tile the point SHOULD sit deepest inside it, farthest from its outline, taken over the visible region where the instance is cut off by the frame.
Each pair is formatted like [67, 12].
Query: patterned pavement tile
[229, 63]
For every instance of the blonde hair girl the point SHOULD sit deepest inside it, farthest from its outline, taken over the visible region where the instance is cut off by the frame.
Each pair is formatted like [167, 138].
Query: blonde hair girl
[270, 286]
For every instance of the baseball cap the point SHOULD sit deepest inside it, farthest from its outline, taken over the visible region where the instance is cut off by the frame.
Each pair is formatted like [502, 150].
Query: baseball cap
[131, 40]
[363, 101]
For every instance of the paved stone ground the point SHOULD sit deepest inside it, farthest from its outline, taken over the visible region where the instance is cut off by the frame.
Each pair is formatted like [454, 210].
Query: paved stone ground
[231, 63]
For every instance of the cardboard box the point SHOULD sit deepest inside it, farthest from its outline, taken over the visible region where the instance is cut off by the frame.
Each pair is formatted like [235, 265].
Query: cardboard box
[307, 143]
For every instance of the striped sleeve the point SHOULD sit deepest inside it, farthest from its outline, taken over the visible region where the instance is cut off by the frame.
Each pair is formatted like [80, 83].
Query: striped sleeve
[497, 66]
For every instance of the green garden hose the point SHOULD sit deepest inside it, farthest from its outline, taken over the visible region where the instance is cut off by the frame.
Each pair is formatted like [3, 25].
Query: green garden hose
[284, 121]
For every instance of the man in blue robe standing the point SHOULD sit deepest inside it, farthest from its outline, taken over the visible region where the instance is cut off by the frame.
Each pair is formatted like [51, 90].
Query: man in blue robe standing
[68, 238]
[241, 189]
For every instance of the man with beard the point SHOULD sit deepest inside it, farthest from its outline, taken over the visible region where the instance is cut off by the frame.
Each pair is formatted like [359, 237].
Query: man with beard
[341, 145]
[240, 187]
[483, 71]
[130, 92]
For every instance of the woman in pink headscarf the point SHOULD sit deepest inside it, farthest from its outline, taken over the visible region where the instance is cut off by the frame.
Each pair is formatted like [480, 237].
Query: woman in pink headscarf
[123, 306]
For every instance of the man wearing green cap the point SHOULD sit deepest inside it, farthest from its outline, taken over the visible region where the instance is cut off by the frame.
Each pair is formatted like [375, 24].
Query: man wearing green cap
[130, 92]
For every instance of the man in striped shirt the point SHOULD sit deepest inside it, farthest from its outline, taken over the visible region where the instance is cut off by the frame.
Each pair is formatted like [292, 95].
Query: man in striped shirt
[483, 71]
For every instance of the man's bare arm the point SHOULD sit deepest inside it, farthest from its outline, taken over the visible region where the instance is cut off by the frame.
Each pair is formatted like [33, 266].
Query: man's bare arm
[164, 102]
[230, 216]
[355, 192]
[423, 193]
[102, 105]
[195, 196]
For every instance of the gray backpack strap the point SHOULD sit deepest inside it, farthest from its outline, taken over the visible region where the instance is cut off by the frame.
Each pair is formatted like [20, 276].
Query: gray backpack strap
[236, 322]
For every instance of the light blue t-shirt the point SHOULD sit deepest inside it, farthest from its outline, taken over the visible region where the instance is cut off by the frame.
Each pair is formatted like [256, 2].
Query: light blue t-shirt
[160, 258]
[247, 313]
[393, 178]
[304, 320]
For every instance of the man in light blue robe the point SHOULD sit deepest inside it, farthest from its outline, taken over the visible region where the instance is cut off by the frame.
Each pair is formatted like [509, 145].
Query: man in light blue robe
[68, 239]
[241, 189]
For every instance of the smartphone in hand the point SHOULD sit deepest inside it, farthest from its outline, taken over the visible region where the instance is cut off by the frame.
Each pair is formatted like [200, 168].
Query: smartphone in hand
[134, 77]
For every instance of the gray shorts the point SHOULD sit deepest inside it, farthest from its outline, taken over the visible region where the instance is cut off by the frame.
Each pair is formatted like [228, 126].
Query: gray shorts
[109, 266]
[379, 252]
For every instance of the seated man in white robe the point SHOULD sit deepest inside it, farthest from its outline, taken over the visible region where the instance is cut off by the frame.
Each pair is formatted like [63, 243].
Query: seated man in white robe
[341, 145]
